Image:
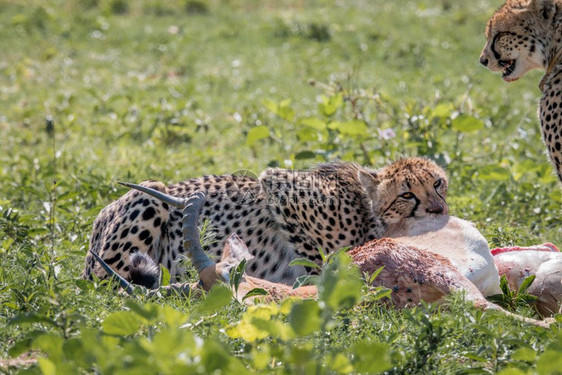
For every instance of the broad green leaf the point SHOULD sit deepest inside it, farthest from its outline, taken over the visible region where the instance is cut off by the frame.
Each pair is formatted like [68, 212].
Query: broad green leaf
[341, 364]
[256, 134]
[255, 292]
[121, 323]
[443, 110]
[305, 280]
[304, 262]
[550, 362]
[335, 125]
[354, 128]
[274, 327]
[556, 195]
[217, 360]
[305, 317]
[509, 371]
[218, 297]
[371, 357]
[50, 345]
[252, 326]
[340, 283]
[20, 347]
[476, 357]
[330, 104]
[171, 317]
[526, 284]
[306, 134]
[285, 111]
[236, 275]
[380, 293]
[467, 123]
[171, 341]
[271, 105]
[263, 311]
[494, 173]
[313, 122]
[148, 311]
[524, 354]
[31, 317]
[305, 155]
[165, 278]
[375, 274]
[246, 330]
[47, 366]
[74, 348]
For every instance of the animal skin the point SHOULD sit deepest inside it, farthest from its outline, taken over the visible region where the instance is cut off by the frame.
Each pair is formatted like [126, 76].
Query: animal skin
[547, 268]
[458, 241]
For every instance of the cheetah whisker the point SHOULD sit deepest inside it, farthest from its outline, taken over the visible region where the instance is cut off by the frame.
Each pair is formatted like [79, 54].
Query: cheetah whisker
[180, 203]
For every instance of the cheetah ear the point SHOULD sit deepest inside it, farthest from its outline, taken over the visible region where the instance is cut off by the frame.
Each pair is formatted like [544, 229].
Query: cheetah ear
[519, 4]
[369, 180]
[546, 7]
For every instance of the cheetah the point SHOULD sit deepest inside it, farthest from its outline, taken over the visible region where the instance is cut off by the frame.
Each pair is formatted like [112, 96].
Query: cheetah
[425, 259]
[281, 215]
[527, 34]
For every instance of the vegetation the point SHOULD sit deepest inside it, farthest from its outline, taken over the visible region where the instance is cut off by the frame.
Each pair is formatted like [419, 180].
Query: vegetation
[94, 91]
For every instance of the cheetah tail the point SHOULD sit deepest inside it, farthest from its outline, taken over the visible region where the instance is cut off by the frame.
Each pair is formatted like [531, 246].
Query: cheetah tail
[144, 271]
[172, 201]
[124, 283]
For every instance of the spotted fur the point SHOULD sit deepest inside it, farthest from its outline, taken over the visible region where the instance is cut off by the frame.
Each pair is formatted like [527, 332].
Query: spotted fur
[281, 215]
[527, 34]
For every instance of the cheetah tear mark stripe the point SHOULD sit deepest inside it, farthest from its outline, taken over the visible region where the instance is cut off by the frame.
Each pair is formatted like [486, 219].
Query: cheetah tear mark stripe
[394, 201]
[412, 214]
[390, 205]
[496, 37]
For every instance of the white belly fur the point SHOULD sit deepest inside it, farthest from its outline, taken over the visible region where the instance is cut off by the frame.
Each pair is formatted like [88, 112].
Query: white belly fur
[456, 239]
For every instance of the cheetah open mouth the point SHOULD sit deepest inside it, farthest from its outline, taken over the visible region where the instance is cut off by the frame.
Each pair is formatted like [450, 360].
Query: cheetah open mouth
[508, 68]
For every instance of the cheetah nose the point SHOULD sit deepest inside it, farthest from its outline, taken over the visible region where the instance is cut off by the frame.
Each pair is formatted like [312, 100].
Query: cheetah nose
[484, 61]
[436, 208]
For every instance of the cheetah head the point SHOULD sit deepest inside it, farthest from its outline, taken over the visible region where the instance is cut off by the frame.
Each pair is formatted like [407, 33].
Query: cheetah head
[516, 35]
[412, 187]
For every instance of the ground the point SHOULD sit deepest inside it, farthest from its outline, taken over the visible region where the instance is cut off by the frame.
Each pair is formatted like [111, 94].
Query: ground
[92, 92]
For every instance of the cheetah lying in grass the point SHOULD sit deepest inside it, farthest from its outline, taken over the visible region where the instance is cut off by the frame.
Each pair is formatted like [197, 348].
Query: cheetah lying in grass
[281, 215]
[413, 273]
[527, 34]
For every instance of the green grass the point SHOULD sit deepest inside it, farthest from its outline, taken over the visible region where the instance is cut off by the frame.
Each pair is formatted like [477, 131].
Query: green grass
[169, 91]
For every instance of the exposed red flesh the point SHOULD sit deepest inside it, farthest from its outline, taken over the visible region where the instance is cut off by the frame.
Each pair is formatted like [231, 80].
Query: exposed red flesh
[547, 246]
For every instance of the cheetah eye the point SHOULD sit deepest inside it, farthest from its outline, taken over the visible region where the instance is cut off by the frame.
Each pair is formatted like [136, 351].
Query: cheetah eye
[437, 183]
[408, 195]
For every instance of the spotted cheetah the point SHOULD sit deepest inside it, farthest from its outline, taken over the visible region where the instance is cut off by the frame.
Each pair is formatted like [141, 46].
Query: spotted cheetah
[527, 34]
[281, 215]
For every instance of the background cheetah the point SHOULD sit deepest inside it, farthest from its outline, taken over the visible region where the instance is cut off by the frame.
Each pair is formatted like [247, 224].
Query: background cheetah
[280, 216]
[524, 35]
